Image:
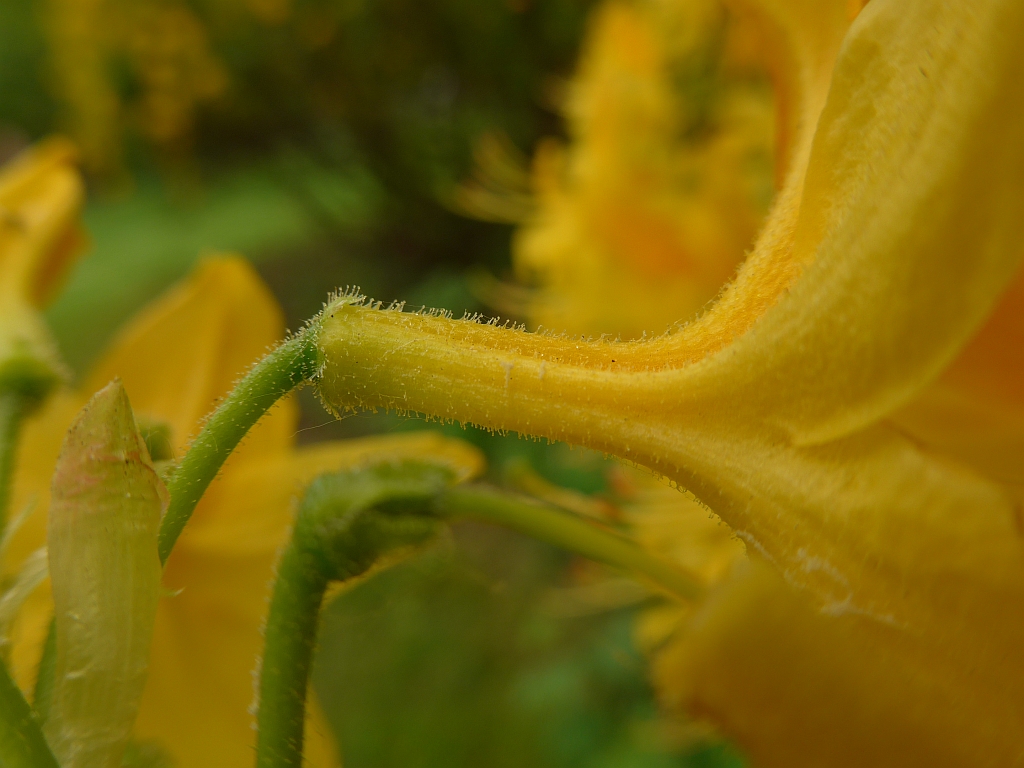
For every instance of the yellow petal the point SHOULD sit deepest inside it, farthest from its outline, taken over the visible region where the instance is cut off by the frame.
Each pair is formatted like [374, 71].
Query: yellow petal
[798, 688]
[975, 410]
[187, 349]
[909, 225]
[175, 358]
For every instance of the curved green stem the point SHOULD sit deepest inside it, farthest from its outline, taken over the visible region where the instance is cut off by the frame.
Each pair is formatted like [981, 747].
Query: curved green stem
[13, 407]
[22, 744]
[344, 524]
[567, 531]
[292, 363]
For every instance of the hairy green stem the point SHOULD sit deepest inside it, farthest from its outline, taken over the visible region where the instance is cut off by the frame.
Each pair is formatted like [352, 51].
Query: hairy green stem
[13, 407]
[567, 531]
[277, 374]
[22, 744]
[284, 674]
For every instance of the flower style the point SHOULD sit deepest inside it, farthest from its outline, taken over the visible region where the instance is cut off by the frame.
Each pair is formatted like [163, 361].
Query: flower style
[850, 404]
[176, 359]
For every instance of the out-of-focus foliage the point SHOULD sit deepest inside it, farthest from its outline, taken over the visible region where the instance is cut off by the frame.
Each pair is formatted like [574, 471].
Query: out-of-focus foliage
[320, 128]
[468, 656]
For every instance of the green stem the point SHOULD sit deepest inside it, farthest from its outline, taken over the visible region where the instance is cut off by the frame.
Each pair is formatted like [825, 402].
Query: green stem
[344, 524]
[284, 674]
[13, 407]
[292, 363]
[22, 744]
[567, 531]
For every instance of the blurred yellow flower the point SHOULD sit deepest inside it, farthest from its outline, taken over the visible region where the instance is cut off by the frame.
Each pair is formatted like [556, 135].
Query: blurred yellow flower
[176, 359]
[850, 405]
[41, 196]
[646, 214]
[166, 50]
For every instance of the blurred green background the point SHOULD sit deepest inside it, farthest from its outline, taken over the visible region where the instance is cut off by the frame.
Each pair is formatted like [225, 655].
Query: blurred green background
[322, 140]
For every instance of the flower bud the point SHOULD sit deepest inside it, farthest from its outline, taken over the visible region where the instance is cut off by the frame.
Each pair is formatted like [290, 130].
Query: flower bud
[107, 500]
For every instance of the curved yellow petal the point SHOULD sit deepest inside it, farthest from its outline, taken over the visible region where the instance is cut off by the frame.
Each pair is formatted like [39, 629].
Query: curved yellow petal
[187, 349]
[910, 224]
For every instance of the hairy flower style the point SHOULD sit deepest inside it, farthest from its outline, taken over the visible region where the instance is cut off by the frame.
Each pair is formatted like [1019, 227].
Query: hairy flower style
[176, 359]
[41, 196]
[823, 405]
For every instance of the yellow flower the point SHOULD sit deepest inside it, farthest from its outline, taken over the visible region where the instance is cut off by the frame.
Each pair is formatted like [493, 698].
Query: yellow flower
[40, 199]
[639, 222]
[823, 404]
[647, 214]
[176, 359]
[166, 49]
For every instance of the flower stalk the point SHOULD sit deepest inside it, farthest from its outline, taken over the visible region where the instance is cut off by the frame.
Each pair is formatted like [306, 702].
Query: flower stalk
[345, 524]
[277, 374]
[568, 531]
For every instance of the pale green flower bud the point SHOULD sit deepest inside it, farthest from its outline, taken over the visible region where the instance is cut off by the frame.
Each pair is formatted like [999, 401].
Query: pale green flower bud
[106, 505]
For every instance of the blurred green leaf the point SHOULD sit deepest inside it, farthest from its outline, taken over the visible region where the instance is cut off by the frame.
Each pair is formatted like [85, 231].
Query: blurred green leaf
[454, 659]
